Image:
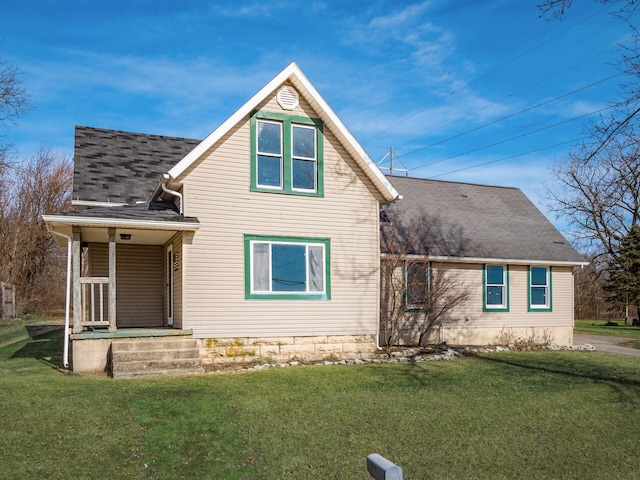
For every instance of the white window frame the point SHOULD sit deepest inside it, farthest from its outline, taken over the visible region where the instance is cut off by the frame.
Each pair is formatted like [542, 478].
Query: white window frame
[265, 154]
[314, 129]
[504, 306]
[546, 286]
[308, 294]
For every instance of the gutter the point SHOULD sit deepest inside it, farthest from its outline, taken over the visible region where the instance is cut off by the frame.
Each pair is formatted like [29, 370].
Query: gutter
[119, 223]
[165, 178]
[65, 351]
[440, 258]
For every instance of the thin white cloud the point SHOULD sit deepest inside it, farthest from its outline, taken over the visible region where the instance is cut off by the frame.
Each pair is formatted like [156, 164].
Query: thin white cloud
[265, 9]
[407, 33]
[399, 19]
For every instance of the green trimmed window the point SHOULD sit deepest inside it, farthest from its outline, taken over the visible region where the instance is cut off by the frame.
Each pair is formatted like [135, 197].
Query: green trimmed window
[286, 154]
[496, 288]
[287, 268]
[417, 282]
[540, 289]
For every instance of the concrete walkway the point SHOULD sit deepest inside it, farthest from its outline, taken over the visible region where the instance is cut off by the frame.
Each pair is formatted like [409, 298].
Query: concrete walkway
[606, 344]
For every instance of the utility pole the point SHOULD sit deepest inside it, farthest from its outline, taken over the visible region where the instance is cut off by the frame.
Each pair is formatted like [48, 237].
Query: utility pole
[392, 170]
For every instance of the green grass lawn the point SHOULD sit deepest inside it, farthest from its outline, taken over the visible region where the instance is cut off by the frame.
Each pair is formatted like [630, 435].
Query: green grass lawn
[509, 415]
[598, 327]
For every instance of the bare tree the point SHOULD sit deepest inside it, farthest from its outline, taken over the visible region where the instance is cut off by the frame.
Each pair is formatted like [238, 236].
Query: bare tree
[14, 101]
[626, 111]
[417, 294]
[591, 300]
[601, 198]
[28, 257]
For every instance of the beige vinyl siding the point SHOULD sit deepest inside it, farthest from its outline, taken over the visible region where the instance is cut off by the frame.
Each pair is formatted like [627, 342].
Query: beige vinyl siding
[217, 192]
[139, 282]
[518, 315]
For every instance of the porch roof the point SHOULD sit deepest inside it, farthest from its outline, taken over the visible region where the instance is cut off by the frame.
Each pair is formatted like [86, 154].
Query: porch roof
[153, 223]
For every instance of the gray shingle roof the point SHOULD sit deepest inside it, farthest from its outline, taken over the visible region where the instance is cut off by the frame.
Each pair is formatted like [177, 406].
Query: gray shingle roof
[122, 167]
[154, 212]
[479, 221]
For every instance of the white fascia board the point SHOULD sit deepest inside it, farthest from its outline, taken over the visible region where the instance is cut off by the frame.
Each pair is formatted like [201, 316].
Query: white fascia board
[90, 203]
[118, 223]
[229, 123]
[366, 163]
[293, 74]
[495, 261]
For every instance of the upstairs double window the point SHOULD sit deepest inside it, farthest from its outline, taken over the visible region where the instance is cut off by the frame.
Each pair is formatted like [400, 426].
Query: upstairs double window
[286, 154]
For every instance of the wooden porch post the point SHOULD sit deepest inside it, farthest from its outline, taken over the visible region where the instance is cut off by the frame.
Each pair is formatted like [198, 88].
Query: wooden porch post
[112, 280]
[77, 292]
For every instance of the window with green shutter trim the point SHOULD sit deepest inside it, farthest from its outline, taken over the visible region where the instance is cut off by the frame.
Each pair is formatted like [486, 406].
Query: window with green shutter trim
[539, 280]
[496, 288]
[287, 154]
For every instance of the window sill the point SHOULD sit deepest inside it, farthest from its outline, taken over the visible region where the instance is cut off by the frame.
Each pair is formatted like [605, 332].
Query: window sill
[287, 296]
[495, 309]
[298, 193]
[540, 309]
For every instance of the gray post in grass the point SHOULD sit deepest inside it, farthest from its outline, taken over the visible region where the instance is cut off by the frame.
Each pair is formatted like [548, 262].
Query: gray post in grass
[382, 469]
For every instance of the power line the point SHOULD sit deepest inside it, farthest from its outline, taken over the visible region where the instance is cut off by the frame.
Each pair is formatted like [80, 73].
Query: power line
[514, 138]
[509, 157]
[528, 109]
[535, 84]
[491, 72]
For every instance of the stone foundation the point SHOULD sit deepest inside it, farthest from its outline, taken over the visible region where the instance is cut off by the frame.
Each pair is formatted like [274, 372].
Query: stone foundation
[457, 335]
[284, 349]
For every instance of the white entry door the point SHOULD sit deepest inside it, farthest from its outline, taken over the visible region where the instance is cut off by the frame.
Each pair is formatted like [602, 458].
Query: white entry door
[169, 283]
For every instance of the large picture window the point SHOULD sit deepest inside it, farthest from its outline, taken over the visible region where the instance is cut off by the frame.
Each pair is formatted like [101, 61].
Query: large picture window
[286, 154]
[539, 288]
[496, 288]
[287, 268]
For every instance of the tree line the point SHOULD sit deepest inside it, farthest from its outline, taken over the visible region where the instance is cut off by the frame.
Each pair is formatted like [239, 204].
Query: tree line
[29, 187]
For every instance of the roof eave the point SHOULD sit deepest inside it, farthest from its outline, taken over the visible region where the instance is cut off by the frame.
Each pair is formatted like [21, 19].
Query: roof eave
[503, 261]
[62, 220]
[94, 204]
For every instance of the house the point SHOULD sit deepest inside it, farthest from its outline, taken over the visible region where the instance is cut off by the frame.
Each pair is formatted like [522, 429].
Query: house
[515, 265]
[262, 240]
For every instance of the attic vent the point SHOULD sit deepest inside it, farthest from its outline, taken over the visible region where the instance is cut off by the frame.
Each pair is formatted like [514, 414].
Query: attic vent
[287, 98]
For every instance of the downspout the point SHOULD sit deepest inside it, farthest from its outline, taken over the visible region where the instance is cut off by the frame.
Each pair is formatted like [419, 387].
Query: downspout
[165, 177]
[65, 352]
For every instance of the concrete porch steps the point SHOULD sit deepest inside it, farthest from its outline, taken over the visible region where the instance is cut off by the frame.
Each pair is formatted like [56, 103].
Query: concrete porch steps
[154, 356]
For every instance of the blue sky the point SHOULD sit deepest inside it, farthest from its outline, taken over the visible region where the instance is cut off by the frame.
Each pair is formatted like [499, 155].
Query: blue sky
[448, 84]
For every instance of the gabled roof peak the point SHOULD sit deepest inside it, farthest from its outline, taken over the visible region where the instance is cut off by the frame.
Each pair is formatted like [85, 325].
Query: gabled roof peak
[293, 75]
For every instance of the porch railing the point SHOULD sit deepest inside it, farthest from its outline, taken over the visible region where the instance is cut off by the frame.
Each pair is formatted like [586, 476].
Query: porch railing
[94, 290]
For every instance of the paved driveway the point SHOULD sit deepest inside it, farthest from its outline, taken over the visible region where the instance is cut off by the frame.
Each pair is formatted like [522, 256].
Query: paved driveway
[606, 344]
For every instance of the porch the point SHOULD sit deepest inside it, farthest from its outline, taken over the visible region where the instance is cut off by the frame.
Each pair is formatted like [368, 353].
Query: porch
[135, 351]
[125, 276]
